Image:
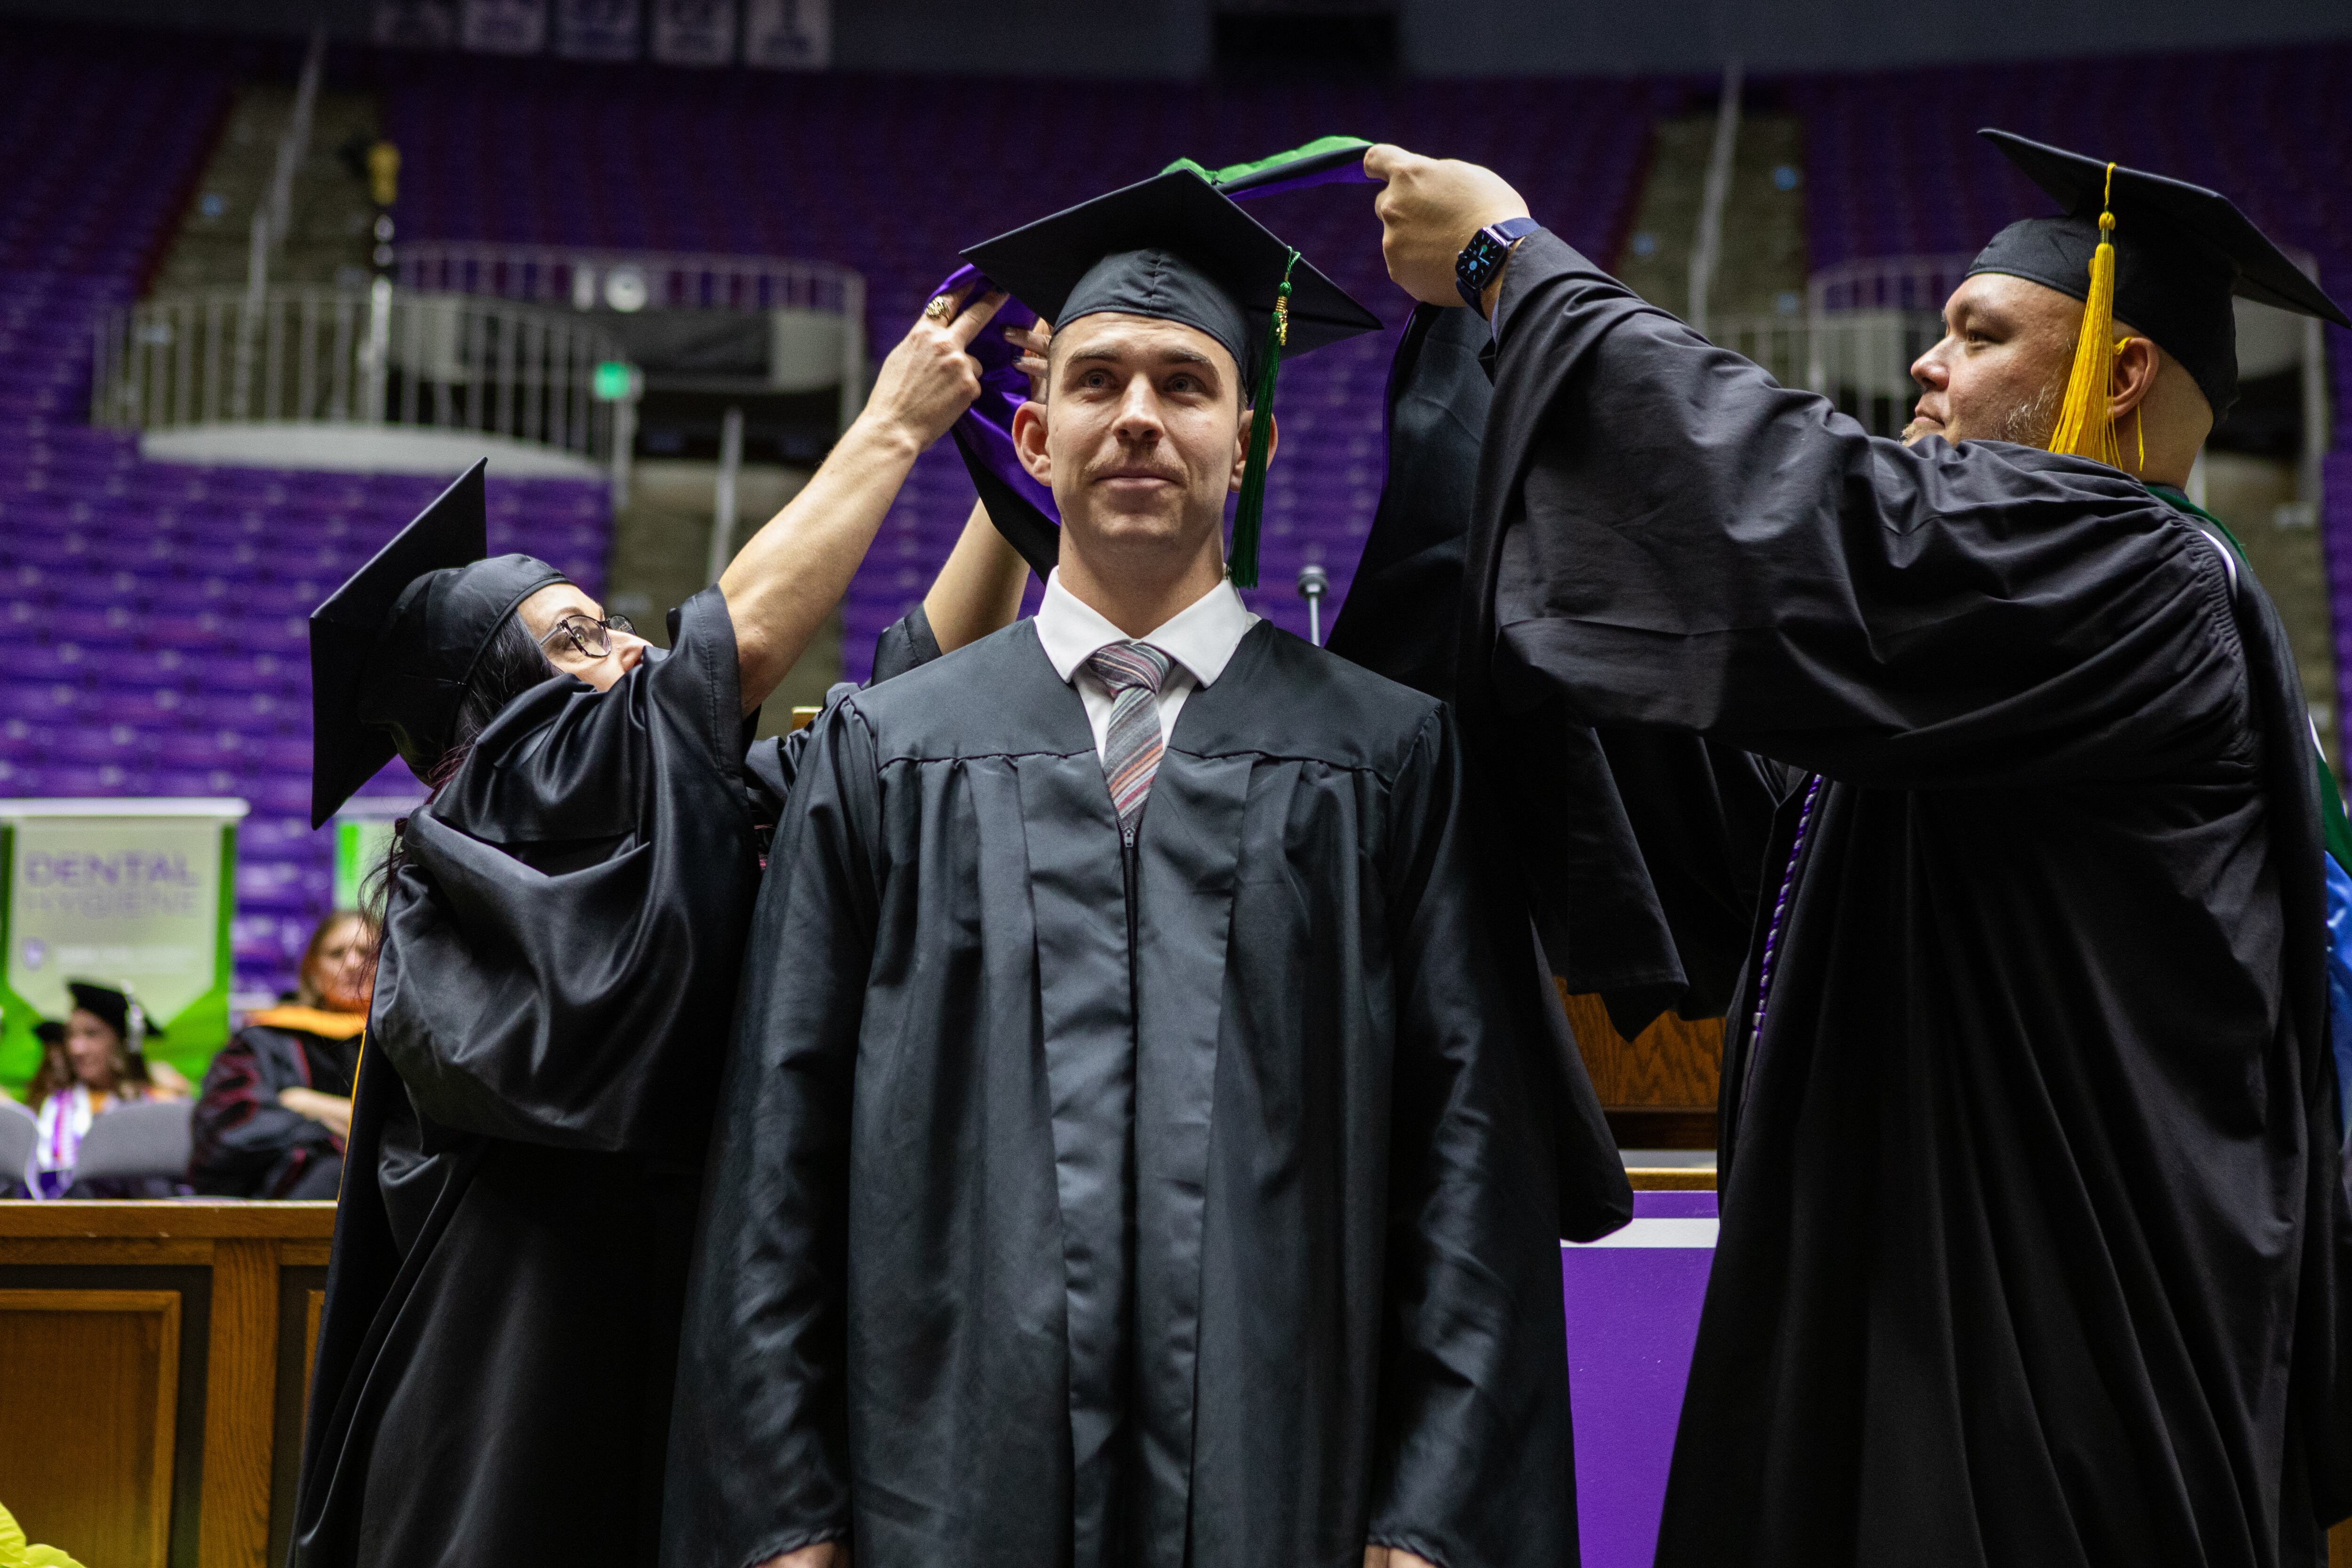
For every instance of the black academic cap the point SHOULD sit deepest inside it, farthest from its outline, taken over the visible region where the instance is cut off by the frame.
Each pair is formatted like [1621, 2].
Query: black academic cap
[391, 649]
[112, 1005]
[1173, 249]
[49, 1032]
[2181, 252]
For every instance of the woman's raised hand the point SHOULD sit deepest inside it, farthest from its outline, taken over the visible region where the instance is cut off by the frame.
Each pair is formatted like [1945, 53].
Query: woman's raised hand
[1033, 341]
[929, 379]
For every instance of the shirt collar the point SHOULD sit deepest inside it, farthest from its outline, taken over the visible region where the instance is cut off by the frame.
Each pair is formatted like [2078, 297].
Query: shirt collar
[1202, 637]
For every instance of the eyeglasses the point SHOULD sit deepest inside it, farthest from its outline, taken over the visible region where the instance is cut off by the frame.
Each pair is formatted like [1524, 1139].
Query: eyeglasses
[589, 637]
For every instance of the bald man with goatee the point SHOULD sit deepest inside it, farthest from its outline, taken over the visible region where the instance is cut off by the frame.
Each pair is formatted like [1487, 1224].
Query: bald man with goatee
[2030, 1175]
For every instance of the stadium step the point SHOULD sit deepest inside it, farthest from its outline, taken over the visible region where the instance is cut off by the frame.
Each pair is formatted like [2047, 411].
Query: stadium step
[330, 241]
[1763, 265]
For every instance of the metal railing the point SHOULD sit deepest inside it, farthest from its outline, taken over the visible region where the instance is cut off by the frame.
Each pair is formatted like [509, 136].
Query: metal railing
[383, 357]
[1908, 283]
[1859, 360]
[629, 279]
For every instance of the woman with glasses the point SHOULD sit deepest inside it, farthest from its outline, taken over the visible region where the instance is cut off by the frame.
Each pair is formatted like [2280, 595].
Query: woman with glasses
[563, 927]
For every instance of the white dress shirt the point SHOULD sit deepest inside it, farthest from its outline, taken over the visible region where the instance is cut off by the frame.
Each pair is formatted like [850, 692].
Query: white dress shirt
[1199, 641]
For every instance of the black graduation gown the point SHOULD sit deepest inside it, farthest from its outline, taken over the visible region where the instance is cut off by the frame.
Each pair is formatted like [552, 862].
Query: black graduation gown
[1072, 1206]
[243, 1143]
[552, 1008]
[1635, 851]
[2028, 1133]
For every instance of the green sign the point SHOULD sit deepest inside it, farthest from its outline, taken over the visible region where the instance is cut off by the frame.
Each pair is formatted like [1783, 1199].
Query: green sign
[363, 835]
[125, 892]
[615, 382]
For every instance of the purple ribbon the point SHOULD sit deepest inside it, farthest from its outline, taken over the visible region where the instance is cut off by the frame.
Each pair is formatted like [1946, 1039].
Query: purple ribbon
[984, 431]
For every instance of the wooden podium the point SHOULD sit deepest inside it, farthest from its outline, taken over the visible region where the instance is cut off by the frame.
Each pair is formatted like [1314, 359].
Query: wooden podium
[1658, 1088]
[153, 1360]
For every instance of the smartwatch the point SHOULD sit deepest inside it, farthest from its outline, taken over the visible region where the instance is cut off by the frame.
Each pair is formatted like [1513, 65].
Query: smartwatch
[1485, 254]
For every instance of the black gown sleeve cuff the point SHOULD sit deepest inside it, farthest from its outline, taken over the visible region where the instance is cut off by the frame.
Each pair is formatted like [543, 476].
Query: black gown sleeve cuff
[703, 668]
[904, 644]
[1539, 258]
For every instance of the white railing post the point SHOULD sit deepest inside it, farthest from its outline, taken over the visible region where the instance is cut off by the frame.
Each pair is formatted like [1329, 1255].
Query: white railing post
[722, 499]
[853, 349]
[2316, 431]
[624, 441]
[1706, 246]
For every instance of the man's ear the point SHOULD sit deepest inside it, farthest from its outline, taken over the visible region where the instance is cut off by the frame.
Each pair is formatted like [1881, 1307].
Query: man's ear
[2137, 365]
[1240, 447]
[1029, 441]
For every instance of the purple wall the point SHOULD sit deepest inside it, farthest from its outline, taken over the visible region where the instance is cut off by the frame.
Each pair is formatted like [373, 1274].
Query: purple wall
[1631, 1303]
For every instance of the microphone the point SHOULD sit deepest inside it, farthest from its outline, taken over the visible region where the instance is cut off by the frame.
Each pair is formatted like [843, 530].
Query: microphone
[1313, 584]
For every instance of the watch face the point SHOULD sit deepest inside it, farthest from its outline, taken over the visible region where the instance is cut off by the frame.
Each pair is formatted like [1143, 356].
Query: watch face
[1478, 256]
[1476, 266]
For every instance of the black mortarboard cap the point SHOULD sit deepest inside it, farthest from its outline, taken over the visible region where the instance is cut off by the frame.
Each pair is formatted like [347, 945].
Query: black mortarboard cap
[111, 1006]
[2181, 252]
[392, 648]
[1174, 248]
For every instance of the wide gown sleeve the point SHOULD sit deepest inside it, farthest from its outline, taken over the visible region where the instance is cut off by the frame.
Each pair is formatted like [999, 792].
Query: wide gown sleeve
[1688, 543]
[237, 1129]
[562, 950]
[1470, 1404]
[759, 1442]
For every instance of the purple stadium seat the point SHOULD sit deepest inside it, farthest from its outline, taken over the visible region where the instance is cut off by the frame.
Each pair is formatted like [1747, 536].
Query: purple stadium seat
[192, 750]
[152, 708]
[119, 745]
[42, 662]
[38, 701]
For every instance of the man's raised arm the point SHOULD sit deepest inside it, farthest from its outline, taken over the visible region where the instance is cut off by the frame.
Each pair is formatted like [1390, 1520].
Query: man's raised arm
[1667, 536]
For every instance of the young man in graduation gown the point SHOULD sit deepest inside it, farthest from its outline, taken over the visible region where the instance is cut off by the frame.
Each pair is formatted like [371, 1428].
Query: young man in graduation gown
[2028, 1149]
[1135, 1148]
[562, 928]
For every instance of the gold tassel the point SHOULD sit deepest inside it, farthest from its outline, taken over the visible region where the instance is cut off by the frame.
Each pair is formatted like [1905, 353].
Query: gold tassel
[2085, 427]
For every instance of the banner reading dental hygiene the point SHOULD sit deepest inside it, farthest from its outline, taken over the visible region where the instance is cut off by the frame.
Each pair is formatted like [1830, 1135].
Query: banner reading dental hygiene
[124, 892]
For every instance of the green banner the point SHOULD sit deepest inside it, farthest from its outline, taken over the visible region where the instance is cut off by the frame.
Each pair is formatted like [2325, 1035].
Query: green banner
[136, 893]
[363, 831]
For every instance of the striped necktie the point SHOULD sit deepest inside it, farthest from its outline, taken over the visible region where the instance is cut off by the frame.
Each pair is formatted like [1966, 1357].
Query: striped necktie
[1131, 747]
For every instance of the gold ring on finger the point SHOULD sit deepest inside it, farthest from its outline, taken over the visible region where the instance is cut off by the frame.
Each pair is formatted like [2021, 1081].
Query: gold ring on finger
[940, 308]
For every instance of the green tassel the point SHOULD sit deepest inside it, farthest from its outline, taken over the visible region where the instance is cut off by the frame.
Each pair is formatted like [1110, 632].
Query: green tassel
[1241, 562]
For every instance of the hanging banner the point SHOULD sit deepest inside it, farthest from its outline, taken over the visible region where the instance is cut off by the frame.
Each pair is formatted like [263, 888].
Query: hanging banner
[596, 29]
[135, 893]
[505, 26]
[788, 35]
[694, 32]
[417, 24]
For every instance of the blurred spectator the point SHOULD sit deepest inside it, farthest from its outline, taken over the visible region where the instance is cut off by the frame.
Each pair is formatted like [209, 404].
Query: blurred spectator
[93, 1062]
[54, 1068]
[276, 1102]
